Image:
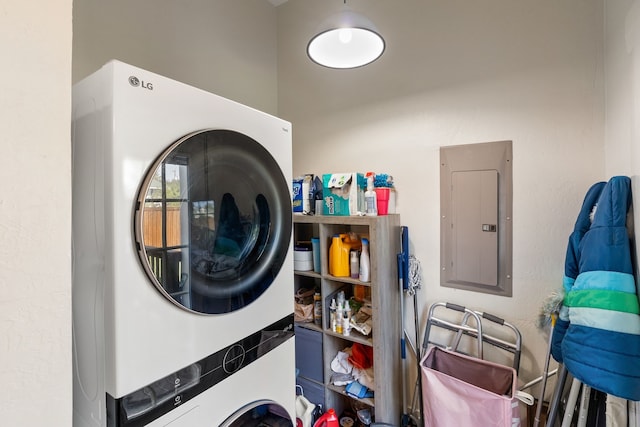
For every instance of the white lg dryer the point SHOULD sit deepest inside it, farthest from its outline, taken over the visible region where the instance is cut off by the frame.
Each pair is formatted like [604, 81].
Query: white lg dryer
[182, 260]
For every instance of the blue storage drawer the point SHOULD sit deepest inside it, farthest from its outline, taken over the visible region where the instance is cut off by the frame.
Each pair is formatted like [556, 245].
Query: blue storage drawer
[309, 360]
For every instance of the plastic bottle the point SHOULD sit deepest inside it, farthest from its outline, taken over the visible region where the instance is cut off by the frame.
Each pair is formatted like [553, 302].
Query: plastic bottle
[370, 197]
[354, 265]
[339, 319]
[328, 419]
[365, 266]
[332, 310]
[317, 308]
[315, 250]
[341, 245]
[341, 298]
[346, 326]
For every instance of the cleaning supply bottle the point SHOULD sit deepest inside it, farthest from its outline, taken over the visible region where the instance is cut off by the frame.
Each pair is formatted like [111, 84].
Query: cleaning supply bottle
[328, 419]
[370, 197]
[346, 326]
[341, 245]
[365, 265]
[340, 319]
[354, 265]
[334, 320]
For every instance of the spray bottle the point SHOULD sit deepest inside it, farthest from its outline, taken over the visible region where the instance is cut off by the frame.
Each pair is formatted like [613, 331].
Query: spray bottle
[370, 201]
[346, 327]
[334, 321]
[340, 319]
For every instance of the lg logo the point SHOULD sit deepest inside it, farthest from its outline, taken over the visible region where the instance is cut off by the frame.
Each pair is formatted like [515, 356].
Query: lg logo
[135, 82]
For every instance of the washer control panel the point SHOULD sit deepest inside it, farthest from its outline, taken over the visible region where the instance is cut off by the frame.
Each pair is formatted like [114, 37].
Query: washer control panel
[156, 399]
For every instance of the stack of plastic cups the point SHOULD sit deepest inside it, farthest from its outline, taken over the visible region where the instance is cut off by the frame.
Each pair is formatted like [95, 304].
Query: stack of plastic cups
[382, 196]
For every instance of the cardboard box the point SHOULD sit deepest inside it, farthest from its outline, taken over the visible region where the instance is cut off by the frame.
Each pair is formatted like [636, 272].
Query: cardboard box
[303, 193]
[297, 194]
[343, 193]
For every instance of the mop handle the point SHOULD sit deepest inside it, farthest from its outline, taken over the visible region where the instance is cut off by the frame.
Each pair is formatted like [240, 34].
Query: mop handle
[536, 420]
[403, 344]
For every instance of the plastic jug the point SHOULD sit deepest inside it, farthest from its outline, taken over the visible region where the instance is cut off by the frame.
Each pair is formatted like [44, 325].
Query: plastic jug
[341, 246]
[304, 410]
[328, 419]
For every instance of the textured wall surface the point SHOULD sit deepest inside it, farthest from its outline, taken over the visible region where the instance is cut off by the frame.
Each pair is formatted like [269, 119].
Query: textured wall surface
[459, 72]
[35, 214]
[227, 47]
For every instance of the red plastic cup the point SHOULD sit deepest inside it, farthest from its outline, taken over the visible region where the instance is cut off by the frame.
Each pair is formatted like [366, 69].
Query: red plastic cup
[382, 197]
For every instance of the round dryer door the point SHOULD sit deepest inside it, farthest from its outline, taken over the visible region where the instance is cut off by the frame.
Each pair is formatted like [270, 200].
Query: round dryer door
[258, 414]
[213, 221]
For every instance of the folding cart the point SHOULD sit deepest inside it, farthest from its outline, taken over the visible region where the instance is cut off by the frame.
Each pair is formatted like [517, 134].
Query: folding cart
[458, 386]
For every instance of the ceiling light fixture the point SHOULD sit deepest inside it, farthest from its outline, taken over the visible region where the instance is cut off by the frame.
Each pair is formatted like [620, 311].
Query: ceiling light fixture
[346, 40]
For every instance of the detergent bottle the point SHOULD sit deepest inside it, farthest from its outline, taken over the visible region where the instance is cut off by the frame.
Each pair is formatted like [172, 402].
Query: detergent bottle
[328, 419]
[341, 246]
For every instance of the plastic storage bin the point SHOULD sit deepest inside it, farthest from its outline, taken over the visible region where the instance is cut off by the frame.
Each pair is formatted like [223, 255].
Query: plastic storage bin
[309, 360]
[314, 392]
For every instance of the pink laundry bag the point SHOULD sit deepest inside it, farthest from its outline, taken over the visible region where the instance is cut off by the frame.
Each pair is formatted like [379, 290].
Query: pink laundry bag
[463, 391]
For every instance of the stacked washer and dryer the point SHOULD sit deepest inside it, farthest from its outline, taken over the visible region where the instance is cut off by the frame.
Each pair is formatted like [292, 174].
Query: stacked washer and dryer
[182, 260]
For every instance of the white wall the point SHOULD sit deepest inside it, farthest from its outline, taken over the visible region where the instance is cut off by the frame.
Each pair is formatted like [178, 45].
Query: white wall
[460, 72]
[35, 210]
[227, 47]
[622, 83]
[622, 71]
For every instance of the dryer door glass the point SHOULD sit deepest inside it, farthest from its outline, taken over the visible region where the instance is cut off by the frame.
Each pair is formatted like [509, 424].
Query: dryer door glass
[259, 414]
[213, 221]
